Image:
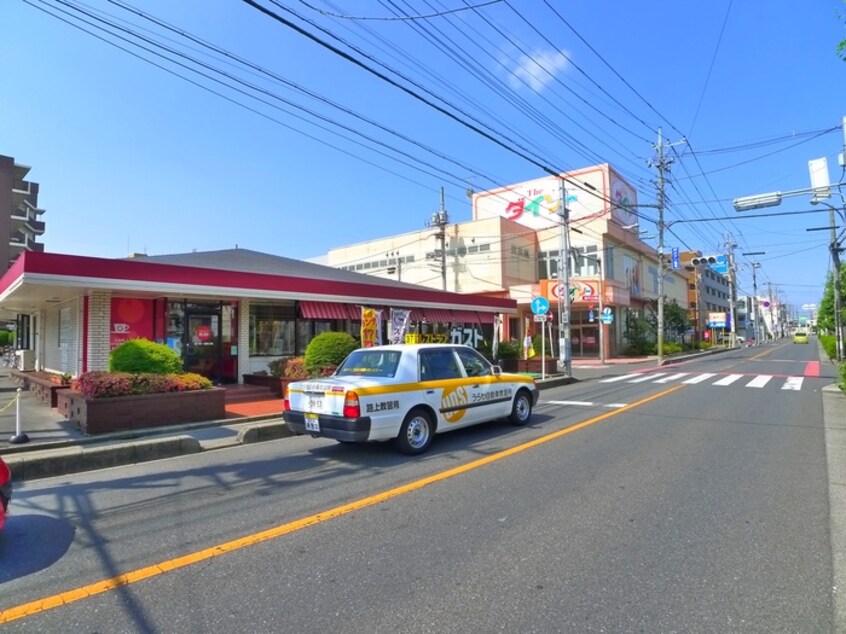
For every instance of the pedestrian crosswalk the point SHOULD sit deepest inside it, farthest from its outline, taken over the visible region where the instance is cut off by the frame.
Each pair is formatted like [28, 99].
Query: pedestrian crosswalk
[711, 378]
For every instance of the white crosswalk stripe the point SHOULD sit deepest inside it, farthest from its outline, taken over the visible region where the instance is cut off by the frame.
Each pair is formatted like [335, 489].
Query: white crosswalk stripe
[728, 380]
[648, 377]
[793, 383]
[700, 377]
[622, 377]
[672, 377]
[759, 381]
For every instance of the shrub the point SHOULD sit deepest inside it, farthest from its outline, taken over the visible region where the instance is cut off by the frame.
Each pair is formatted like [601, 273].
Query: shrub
[7, 337]
[672, 348]
[100, 384]
[144, 356]
[328, 349]
[508, 350]
[829, 344]
[843, 376]
[277, 367]
[295, 369]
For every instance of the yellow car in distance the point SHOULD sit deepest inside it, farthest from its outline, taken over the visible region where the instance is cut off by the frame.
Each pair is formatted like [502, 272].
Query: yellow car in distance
[800, 336]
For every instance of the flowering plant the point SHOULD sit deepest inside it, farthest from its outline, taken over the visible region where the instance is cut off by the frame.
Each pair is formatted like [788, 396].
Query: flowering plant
[100, 384]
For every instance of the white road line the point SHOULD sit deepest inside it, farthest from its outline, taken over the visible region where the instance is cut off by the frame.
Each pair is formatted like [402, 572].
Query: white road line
[648, 377]
[622, 377]
[672, 377]
[587, 403]
[759, 381]
[731, 378]
[699, 378]
[793, 383]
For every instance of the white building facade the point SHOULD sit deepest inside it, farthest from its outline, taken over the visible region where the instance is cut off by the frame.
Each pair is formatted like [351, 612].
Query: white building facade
[511, 248]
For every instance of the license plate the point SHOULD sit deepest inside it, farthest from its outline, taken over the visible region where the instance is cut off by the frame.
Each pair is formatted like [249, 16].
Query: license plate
[311, 423]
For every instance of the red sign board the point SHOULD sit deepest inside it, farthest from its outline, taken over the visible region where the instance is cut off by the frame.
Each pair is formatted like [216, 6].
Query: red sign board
[203, 333]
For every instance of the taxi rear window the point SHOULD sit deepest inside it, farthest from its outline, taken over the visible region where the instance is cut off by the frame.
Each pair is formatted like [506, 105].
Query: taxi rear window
[370, 363]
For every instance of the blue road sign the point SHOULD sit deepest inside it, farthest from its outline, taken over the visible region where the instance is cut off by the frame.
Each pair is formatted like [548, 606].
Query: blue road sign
[721, 266]
[540, 305]
[676, 263]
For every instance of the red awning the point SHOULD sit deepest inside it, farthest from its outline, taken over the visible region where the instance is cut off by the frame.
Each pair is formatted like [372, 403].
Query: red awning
[329, 310]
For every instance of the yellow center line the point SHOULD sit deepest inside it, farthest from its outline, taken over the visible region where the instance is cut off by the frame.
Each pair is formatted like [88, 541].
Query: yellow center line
[99, 587]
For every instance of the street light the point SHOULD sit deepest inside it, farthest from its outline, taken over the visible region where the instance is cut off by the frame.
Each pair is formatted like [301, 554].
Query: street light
[759, 201]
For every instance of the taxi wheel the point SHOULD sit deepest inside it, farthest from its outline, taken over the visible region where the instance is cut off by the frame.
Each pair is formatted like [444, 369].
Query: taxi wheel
[521, 411]
[416, 433]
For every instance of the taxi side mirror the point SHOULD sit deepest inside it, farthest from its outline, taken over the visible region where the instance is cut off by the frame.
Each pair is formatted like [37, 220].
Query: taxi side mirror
[496, 370]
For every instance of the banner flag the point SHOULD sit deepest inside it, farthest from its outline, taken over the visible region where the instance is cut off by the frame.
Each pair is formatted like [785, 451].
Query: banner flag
[371, 327]
[400, 318]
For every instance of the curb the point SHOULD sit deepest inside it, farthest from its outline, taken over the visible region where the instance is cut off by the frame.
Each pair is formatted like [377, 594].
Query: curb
[45, 463]
[834, 409]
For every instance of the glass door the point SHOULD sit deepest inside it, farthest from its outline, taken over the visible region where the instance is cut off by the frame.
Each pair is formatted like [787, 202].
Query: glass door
[201, 353]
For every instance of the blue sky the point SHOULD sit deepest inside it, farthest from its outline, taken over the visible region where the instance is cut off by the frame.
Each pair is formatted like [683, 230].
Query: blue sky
[131, 157]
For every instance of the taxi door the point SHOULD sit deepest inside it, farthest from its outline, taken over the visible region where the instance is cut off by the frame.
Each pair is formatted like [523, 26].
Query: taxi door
[447, 389]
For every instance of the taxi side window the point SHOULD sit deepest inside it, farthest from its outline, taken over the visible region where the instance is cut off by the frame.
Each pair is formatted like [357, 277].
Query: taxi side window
[436, 365]
[474, 363]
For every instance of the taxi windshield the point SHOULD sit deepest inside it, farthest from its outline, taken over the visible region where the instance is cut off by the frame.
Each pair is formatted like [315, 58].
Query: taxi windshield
[370, 363]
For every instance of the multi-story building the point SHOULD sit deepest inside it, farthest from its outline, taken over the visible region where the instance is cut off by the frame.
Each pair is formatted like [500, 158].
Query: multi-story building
[19, 213]
[708, 294]
[512, 246]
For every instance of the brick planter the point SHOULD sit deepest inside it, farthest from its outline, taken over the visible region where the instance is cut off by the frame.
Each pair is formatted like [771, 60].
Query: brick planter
[97, 416]
[275, 383]
[533, 365]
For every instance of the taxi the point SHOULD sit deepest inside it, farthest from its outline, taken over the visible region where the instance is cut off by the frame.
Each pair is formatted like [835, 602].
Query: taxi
[407, 393]
[800, 336]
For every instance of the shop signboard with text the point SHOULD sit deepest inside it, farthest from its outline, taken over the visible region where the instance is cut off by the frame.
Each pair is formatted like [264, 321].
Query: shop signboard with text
[582, 291]
[131, 318]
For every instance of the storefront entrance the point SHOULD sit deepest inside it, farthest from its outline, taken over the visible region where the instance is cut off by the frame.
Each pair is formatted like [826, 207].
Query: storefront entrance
[584, 341]
[207, 338]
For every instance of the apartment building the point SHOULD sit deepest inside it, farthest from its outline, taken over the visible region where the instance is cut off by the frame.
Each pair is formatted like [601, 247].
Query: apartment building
[708, 294]
[19, 212]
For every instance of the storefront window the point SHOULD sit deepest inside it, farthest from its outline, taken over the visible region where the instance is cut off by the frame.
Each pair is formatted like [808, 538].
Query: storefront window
[272, 330]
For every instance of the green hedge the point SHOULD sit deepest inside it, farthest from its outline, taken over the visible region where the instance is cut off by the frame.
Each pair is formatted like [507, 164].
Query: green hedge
[829, 344]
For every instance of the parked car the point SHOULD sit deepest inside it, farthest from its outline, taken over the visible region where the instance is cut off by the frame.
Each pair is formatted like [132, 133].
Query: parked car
[407, 393]
[800, 336]
[5, 491]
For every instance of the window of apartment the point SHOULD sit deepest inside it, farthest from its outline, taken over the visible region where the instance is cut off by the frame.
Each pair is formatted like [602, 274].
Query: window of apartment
[609, 262]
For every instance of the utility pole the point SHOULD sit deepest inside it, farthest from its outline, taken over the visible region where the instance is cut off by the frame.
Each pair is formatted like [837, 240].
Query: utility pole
[835, 259]
[441, 220]
[755, 311]
[732, 291]
[662, 166]
[772, 319]
[564, 349]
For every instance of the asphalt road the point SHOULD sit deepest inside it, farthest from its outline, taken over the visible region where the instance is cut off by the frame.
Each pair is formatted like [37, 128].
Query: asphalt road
[642, 506]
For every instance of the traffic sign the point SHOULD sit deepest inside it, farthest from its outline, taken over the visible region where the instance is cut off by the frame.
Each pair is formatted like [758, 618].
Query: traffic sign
[722, 265]
[540, 306]
[539, 317]
[607, 318]
[675, 258]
